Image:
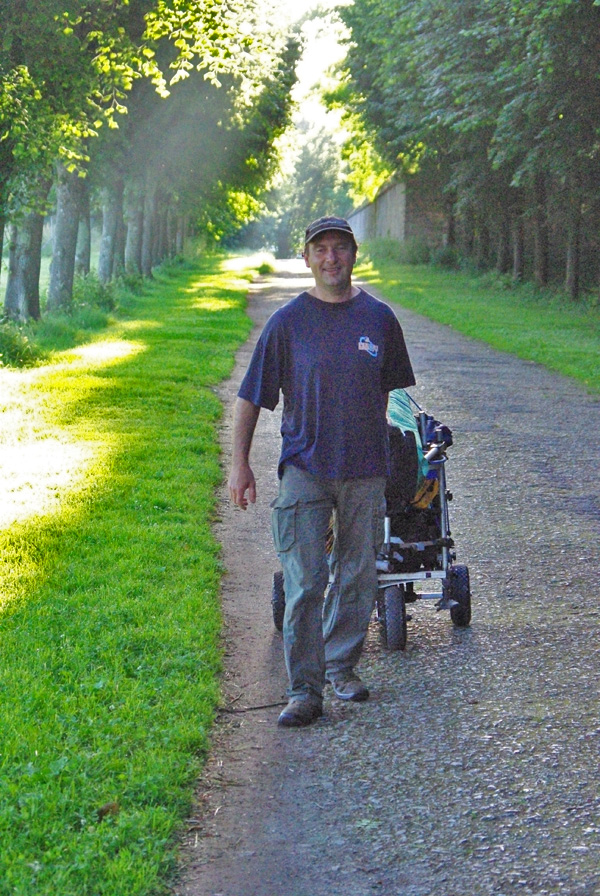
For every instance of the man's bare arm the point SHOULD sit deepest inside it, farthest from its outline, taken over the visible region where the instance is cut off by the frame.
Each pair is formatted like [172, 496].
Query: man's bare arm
[241, 477]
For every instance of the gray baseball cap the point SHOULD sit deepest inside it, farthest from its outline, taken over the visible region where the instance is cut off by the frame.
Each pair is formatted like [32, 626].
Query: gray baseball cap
[328, 223]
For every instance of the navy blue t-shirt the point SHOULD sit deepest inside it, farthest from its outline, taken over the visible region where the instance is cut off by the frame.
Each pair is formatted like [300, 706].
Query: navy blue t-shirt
[334, 363]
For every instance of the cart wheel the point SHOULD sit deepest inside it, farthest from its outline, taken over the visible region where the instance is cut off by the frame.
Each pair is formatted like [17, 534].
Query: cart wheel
[278, 600]
[380, 607]
[457, 588]
[394, 618]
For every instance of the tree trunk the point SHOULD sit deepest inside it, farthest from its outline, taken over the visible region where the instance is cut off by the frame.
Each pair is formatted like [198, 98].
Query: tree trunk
[450, 235]
[483, 247]
[169, 233]
[120, 240]
[6, 161]
[503, 259]
[162, 249]
[112, 220]
[181, 234]
[469, 233]
[135, 230]
[149, 231]
[540, 234]
[83, 253]
[283, 244]
[15, 297]
[158, 230]
[518, 236]
[2, 232]
[2, 226]
[171, 225]
[22, 299]
[62, 270]
[573, 257]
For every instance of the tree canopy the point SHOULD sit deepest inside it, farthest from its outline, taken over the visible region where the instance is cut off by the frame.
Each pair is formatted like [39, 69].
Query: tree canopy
[166, 109]
[502, 99]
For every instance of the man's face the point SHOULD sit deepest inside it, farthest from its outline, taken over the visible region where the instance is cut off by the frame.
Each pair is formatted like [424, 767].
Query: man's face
[331, 257]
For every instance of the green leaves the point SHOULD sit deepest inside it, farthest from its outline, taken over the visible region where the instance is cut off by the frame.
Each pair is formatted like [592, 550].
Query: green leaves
[492, 94]
[68, 68]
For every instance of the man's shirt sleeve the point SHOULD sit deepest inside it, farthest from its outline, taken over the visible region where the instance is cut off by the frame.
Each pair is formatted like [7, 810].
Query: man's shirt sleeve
[397, 372]
[263, 379]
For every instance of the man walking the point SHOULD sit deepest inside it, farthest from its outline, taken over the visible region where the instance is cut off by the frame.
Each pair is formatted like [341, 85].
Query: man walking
[334, 353]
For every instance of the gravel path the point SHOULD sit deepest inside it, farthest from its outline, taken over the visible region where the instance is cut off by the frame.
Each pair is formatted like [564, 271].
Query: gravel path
[473, 768]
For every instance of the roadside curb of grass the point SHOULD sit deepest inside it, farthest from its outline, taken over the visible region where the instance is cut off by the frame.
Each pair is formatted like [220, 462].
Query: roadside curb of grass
[110, 632]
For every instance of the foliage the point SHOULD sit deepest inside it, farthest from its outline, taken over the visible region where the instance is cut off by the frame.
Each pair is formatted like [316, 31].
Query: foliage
[88, 290]
[91, 310]
[392, 251]
[240, 162]
[367, 170]
[498, 100]
[16, 349]
[70, 67]
[206, 88]
[77, 61]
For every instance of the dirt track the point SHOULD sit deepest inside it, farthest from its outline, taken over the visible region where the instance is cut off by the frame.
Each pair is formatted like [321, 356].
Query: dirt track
[473, 769]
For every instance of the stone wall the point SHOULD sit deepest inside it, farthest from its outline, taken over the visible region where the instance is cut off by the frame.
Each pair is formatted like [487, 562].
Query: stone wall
[403, 213]
[384, 217]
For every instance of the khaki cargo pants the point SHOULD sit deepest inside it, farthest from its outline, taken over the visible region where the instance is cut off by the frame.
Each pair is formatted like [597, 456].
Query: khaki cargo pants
[328, 599]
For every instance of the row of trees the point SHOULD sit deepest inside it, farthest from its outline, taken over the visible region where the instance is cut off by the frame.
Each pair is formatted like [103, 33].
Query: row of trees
[497, 102]
[312, 182]
[151, 113]
[313, 178]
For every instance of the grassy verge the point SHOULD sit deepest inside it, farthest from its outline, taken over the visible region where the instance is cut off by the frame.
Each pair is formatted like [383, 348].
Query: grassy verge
[536, 325]
[109, 594]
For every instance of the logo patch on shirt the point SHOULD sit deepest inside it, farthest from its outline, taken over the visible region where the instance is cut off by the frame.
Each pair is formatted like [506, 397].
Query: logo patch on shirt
[365, 345]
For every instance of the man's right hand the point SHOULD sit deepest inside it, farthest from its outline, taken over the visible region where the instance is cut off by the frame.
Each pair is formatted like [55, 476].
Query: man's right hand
[241, 480]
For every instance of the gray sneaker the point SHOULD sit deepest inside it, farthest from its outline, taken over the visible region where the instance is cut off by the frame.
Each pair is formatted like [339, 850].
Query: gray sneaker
[301, 711]
[348, 686]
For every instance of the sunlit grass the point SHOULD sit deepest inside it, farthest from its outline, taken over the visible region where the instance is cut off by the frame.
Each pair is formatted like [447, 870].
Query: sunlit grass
[104, 352]
[110, 619]
[41, 459]
[214, 305]
[536, 325]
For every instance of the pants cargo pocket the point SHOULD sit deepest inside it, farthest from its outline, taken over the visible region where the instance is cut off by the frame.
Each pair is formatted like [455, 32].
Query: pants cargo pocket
[283, 524]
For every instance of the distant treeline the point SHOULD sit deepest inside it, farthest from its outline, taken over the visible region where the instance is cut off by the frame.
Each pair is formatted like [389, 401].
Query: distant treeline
[151, 115]
[495, 104]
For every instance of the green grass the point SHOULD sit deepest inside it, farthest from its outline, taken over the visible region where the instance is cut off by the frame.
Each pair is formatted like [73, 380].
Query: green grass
[109, 594]
[537, 325]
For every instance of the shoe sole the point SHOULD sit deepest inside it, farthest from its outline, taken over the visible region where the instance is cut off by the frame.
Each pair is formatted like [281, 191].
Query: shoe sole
[291, 722]
[357, 697]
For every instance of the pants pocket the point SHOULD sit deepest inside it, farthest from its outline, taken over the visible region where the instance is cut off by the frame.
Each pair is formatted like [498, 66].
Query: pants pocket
[283, 524]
